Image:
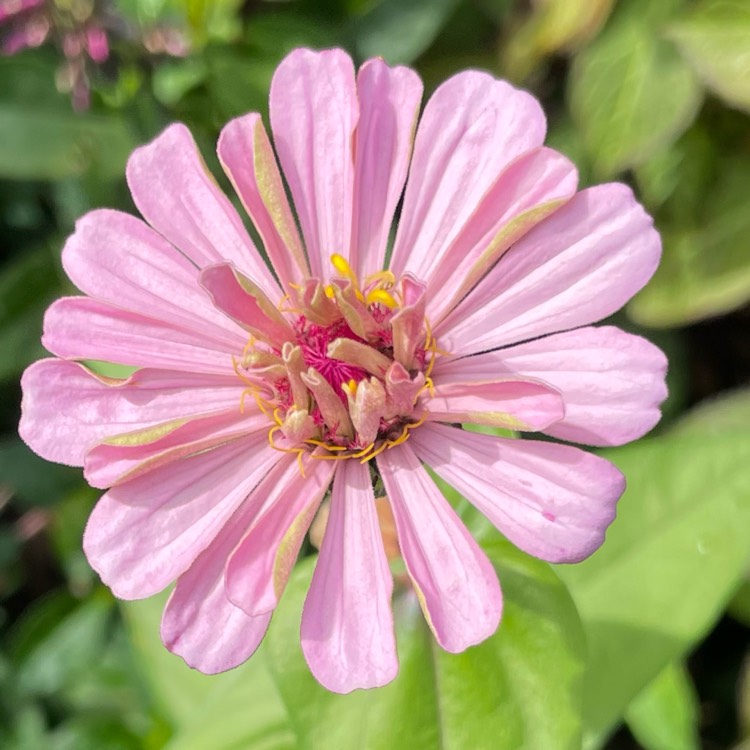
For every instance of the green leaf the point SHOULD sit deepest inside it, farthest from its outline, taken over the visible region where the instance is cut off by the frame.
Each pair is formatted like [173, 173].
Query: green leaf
[725, 413]
[237, 709]
[665, 715]
[34, 481]
[28, 283]
[71, 648]
[399, 31]
[713, 37]
[705, 268]
[520, 688]
[630, 91]
[672, 559]
[238, 85]
[43, 138]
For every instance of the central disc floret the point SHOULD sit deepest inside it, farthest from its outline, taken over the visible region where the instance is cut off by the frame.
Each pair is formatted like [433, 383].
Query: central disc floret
[346, 380]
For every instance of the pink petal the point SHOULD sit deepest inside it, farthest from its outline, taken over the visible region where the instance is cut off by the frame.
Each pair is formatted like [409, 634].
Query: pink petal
[472, 128]
[511, 404]
[347, 623]
[455, 582]
[82, 328]
[530, 189]
[611, 382]
[259, 567]
[124, 457]
[553, 501]
[576, 267]
[142, 534]
[66, 408]
[314, 111]
[238, 298]
[200, 623]
[176, 194]
[249, 161]
[389, 106]
[118, 259]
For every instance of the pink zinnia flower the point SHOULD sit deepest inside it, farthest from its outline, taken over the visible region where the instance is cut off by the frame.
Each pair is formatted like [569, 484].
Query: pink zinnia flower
[258, 390]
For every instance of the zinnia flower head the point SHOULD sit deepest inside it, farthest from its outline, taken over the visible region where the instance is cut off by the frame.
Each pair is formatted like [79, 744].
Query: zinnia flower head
[333, 365]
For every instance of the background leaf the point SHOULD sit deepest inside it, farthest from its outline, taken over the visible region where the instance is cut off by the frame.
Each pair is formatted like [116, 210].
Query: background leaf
[673, 558]
[665, 715]
[705, 268]
[237, 709]
[520, 688]
[630, 91]
[713, 37]
[399, 31]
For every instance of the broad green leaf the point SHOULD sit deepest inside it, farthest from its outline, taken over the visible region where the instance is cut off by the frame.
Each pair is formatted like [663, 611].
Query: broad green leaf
[713, 37]
[677, 177]
[176, 688]
[71, 648]
[34, 481]
[727, 412]
[739, 607]
[400, 31]
[237, 709]
[172, 80]
[518, 689]
[28, 283]
[43, 138]
[630, 91]
[238, 85]
[671, 561]
[705, 268]
[665, 715]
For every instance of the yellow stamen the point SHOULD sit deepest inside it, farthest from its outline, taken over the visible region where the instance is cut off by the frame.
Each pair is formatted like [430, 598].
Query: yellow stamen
[363, 451]
[242, 377]
[381, 279]
[328, 447]
[263, 405]
[328, 289]
[342, 266]
[381, 297]
[429, 385]
[376, 452]
[298, 451]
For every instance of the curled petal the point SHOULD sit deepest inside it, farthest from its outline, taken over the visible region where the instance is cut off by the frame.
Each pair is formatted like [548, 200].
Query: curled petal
[244, 302]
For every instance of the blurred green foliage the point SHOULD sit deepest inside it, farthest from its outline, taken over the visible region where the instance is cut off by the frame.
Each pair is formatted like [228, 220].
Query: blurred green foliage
[653, 93]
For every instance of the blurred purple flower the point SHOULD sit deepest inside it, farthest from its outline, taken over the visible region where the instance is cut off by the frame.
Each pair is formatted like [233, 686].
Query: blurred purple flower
[82, 30]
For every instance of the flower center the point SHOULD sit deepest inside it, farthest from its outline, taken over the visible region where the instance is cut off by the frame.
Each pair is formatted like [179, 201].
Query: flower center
[347, 383]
